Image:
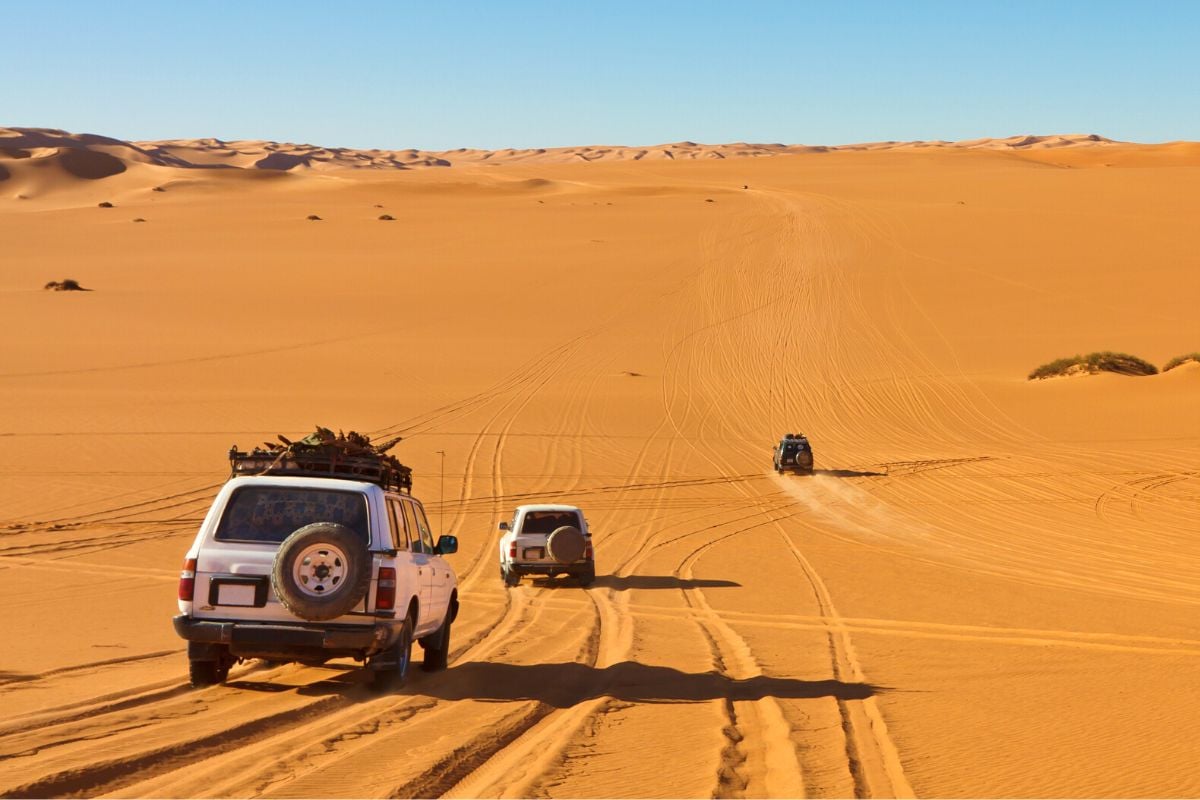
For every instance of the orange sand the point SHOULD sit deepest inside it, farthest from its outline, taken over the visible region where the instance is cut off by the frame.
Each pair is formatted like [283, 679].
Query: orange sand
[989, 588]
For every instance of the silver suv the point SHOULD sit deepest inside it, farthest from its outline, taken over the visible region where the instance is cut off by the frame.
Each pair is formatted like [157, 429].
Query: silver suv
[303, 568]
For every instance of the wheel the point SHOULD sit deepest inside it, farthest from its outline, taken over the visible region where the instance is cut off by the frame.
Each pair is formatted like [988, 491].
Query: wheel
[203, 673]
[511, 577]
[588, 576]
[389, 669]
[566, 544]
[207, 673]
[210, 671]
[321, 571]
[437, 648]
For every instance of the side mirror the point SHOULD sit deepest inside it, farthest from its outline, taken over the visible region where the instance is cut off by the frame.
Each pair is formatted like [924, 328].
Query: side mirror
[503, 526]
[446, 545]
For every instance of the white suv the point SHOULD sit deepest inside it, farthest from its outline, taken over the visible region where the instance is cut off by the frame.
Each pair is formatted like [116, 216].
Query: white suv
[547, 540]
[311, 568]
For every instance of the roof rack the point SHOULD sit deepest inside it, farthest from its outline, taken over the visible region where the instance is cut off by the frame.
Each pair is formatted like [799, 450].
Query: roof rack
[324, 454]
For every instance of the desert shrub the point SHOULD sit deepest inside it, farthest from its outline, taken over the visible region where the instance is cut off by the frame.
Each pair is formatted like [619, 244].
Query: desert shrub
[387, 217]
[66, 285]
[1061, 366]
[1103, 361]
[1183, 359]
[139, 219]
[105, 204]
[314, 218]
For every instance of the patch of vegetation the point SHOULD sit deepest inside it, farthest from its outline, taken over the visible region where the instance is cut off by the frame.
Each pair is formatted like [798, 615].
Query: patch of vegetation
[1179, 360]
[67, 285]
[106, 204]
[313, 218]
[387, 217]
[1104, 361]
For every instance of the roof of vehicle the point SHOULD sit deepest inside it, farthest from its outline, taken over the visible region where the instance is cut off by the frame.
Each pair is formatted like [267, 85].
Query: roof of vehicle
[303, 482]
[547, 507]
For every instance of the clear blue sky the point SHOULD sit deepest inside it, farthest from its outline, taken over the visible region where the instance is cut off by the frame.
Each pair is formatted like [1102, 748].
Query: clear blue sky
[525, 74]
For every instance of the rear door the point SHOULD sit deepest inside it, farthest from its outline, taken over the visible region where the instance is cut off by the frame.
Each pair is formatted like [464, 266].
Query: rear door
[439, 567]
[235, 561]
[407, 577]
[422, 559]
[536, 527]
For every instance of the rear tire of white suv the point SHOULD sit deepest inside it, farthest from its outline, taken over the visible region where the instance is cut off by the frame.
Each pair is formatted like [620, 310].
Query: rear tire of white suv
[321, 571]
[206, 673]
[389, 669]
[437, 648]
[208, 665]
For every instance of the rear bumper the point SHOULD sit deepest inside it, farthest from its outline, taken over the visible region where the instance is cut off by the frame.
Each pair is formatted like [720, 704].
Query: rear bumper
[258, 639]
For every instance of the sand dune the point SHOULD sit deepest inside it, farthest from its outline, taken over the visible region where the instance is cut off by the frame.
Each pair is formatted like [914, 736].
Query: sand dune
[988, 588]
[91, 156]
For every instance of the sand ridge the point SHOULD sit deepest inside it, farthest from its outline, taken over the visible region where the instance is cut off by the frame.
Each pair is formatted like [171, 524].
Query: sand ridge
[79, 150]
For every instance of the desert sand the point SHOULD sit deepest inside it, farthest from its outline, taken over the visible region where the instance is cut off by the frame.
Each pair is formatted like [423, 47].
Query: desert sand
[989, 588]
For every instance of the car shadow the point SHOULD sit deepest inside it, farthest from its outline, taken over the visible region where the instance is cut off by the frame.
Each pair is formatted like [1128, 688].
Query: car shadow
[566, 684]
[623, 582]
[849, 473]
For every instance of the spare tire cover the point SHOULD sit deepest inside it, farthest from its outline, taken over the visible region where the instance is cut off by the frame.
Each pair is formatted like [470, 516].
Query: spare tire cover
[566, 544]
[321, 571]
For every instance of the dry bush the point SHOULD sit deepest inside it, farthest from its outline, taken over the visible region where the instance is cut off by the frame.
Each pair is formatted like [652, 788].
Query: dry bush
[1180, 360]
[1103, 361]
[65, 285]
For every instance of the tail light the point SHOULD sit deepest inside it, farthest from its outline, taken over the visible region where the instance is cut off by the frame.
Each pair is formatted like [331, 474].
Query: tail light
[512, 550]
[385, 590]
[187, 580]
[588, 552]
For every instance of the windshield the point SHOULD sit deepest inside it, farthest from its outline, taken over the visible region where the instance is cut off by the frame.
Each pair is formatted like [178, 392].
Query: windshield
[548, 521]
[272, 513]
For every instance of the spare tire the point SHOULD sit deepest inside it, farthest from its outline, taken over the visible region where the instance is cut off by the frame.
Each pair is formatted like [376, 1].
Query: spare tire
[321, 571]
[566, 544]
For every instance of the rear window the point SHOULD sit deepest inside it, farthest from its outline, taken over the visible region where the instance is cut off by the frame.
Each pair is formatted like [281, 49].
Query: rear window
[271, 513]
[548, 521]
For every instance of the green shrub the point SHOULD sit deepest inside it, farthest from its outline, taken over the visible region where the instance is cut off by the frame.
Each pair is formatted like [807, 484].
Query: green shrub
[1061, 366]
[1104, 361]
[1177, 360]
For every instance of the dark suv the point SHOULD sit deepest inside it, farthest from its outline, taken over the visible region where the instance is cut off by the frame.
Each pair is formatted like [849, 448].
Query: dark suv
[793, 453]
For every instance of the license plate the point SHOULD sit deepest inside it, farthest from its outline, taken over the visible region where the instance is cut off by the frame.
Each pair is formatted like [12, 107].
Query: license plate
[232, 594]
[535, 552]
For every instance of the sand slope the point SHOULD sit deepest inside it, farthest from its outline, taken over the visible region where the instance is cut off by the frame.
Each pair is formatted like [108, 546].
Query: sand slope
[988, 589]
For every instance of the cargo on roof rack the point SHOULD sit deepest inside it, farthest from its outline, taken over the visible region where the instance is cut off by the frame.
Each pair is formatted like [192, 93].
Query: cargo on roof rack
[324, 454]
